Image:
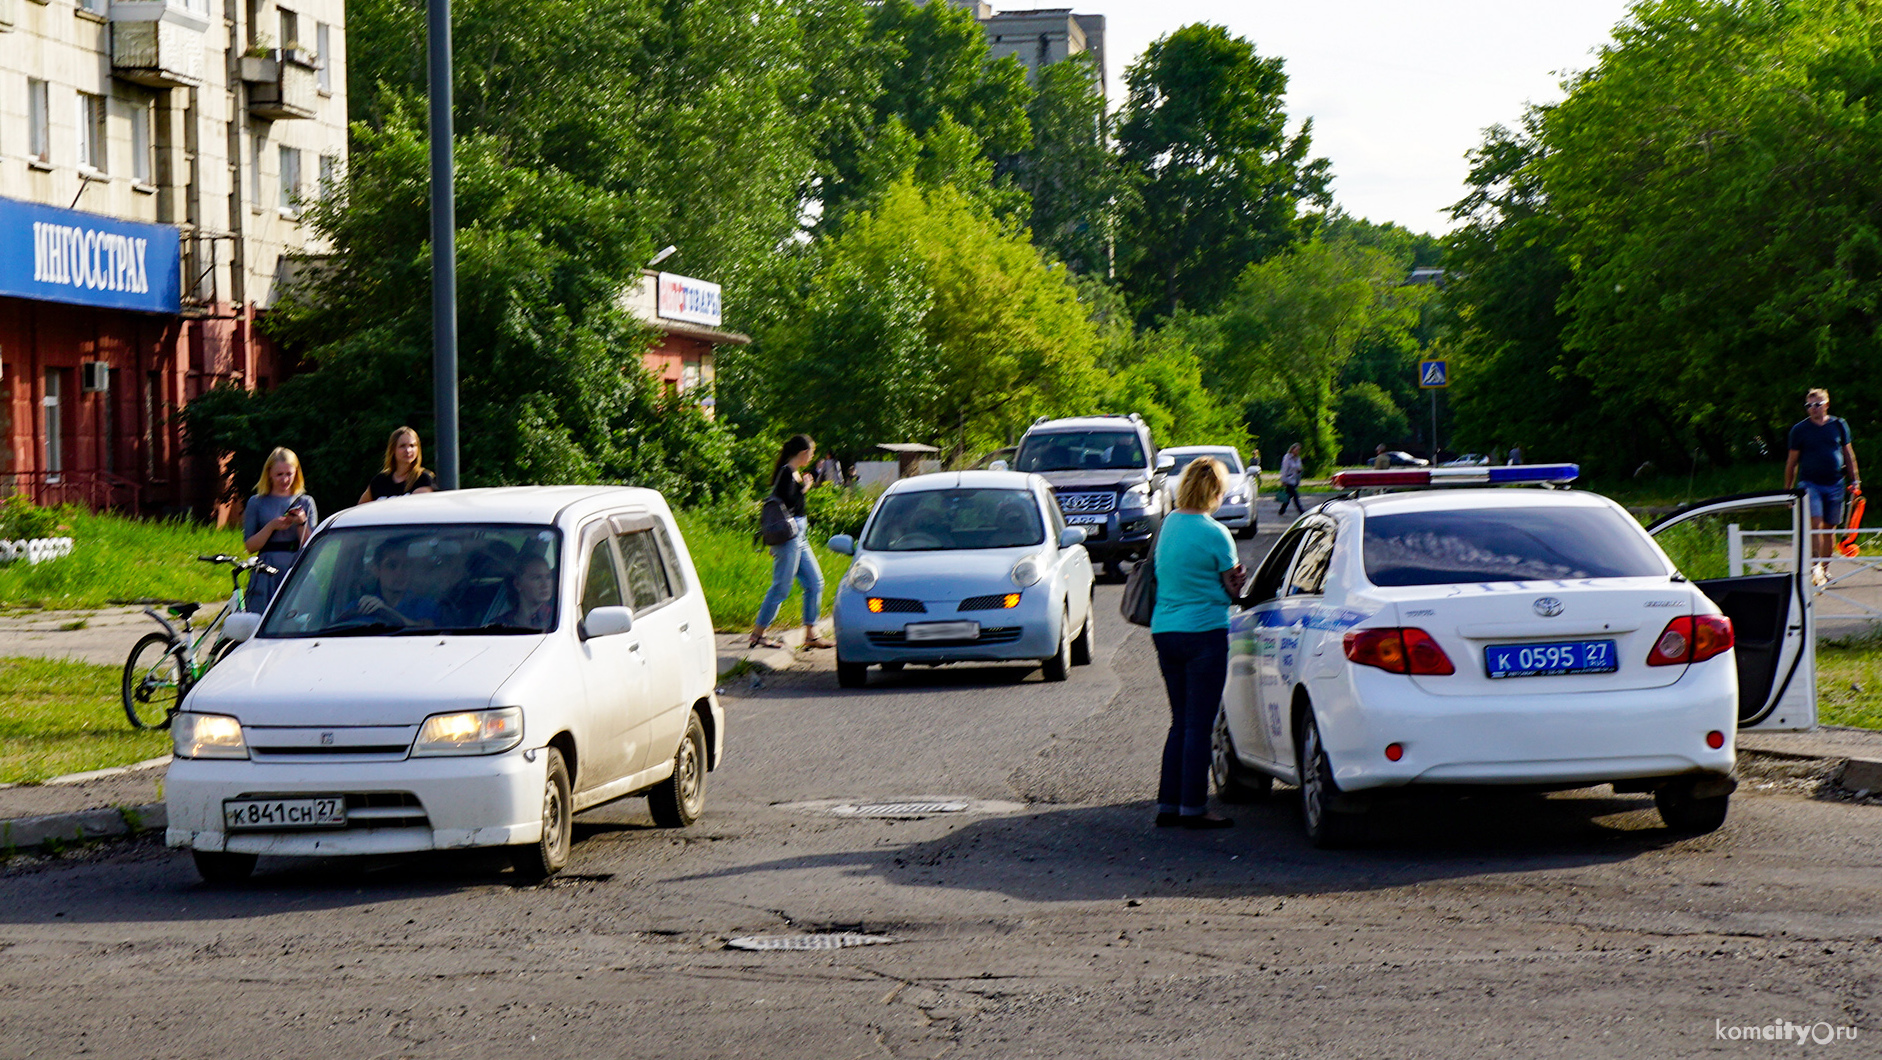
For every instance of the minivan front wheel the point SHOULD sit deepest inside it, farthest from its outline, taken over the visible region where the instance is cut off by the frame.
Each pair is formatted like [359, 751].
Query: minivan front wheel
[546, 856]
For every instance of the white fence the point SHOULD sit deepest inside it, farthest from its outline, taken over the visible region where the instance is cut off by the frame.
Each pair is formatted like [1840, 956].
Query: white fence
[1853, 584]
[38, 550]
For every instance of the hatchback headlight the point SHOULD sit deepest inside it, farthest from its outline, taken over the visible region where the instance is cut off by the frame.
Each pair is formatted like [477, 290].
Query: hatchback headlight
[1027, 571]
[1235, 498]
[470, 732]
[862, 576]
[195, 735]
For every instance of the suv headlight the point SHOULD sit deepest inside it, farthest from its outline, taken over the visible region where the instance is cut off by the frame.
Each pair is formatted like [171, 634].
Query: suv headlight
[862, 576]
[1027, 571]
[470, 732]
[1137, 496]
[195, 735]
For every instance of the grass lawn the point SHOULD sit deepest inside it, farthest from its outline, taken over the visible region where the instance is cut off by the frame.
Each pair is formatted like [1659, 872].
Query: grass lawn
[736, 573]
[59, 717]
[117, 560]
[1849, 681]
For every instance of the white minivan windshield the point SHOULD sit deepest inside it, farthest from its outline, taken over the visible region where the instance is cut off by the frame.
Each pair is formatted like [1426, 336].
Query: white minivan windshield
[435, 578]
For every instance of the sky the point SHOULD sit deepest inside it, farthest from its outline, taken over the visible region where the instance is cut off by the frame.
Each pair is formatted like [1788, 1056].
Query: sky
[1398, 91]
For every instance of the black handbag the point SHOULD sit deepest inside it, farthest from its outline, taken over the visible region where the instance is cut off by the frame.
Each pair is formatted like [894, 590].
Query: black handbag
[775, 525]
[1140, 590]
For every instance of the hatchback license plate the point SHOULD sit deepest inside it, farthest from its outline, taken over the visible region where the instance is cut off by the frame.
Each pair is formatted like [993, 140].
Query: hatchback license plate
[919, 631]
[273, 815]
[1549, 660]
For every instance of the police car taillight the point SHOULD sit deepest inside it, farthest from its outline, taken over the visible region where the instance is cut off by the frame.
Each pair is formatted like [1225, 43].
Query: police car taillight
[1407, 650]
[1691, 639]
[1511, 475]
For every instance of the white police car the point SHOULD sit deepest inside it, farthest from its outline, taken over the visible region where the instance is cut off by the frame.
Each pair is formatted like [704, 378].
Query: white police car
[964, 566]
[1519, 637]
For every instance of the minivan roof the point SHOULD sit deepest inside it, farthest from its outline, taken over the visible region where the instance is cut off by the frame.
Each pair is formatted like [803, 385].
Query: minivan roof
[508, 504]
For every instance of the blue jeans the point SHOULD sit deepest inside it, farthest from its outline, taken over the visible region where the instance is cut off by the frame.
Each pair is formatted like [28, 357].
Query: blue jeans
[794, 559]
[1826, 502]
[1195, 668]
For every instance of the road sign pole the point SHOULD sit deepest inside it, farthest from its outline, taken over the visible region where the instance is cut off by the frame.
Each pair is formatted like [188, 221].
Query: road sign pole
[443, 245]
[1434, 427]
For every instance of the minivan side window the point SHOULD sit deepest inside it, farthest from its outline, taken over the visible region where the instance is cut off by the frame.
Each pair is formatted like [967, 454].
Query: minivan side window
[676, 581]
[646, 573]
[1310, 571]
[601, 585]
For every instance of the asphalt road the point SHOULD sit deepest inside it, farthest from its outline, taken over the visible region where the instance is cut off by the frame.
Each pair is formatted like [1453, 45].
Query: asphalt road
[1049, 919]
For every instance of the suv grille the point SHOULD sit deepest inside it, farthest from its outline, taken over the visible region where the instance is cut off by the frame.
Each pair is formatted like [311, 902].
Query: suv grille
[1087, 503]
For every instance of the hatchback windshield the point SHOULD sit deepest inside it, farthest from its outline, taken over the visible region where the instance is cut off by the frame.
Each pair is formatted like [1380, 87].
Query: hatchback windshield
[385, 580]
[929, 520]
[1229, 457]
[1080, 451]
[1505, 545]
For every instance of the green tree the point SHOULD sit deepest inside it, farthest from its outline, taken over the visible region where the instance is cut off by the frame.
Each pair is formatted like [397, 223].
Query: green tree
[1070, 171]
[1220, 183]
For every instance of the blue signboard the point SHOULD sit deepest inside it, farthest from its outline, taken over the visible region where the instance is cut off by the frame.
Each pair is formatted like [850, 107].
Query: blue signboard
[51, 254]
[1433, 374]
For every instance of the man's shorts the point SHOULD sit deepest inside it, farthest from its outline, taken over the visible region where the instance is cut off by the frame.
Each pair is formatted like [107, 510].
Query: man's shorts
[1826, 502]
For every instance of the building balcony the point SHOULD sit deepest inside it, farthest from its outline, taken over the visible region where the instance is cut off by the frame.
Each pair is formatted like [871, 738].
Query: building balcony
[9, 14]
[283, 84]
[157, 43]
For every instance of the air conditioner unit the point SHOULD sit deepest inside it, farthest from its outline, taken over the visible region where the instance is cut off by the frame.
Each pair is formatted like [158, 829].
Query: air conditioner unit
[94, 376]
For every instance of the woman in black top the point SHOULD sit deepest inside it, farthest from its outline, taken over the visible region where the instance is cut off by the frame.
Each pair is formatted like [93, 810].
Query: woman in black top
[404, 470]
[793, 559]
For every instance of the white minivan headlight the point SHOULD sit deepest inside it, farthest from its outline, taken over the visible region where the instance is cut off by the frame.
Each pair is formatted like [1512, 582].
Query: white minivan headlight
[862, 576]
[470, 732]
[1027, 571]
[195, 735]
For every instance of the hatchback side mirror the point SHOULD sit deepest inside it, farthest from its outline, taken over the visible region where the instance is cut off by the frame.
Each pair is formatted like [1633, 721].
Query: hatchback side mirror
[1071, 535]
[241, 626]
[606, 622]
[842, 545]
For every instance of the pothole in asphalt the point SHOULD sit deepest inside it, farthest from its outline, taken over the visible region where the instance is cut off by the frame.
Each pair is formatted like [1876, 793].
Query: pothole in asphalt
[826, 941]
[904, 808]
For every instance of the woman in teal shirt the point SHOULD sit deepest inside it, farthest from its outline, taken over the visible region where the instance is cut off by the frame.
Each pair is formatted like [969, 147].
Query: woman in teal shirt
[1198, 577]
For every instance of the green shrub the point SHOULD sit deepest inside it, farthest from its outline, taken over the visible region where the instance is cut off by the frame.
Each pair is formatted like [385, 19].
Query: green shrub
[839, 511]
[22, 520]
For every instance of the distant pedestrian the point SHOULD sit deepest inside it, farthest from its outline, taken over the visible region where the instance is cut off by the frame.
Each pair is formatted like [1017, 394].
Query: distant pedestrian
[1198, 579]
[404, 470]
[829, 472]
[1379, 458]
[277, 522]
[1290, 479]
[1822, 459]
[1516, 455]
[793, 558]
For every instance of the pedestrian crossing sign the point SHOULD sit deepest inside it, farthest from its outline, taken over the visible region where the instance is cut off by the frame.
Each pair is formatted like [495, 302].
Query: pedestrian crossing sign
[1433, 374]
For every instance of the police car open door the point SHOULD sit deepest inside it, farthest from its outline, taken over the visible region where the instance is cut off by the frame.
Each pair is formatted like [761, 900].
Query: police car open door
[1749, 554]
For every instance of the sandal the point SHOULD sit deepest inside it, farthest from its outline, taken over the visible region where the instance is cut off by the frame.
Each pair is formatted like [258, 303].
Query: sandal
[764, 642]
[818, 642]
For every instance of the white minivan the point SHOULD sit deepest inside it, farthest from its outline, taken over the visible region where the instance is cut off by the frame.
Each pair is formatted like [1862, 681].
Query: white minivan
[452, 670]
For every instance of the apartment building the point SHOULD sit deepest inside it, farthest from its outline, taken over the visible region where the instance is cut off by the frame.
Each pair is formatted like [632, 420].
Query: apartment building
[1040, 36]
[156, 160]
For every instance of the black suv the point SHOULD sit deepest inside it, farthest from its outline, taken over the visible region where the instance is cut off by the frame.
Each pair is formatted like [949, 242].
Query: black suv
[1108, 478]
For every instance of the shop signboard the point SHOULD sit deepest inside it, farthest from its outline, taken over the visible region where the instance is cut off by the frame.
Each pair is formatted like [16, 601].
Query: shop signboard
[58, 255]
[684, 298]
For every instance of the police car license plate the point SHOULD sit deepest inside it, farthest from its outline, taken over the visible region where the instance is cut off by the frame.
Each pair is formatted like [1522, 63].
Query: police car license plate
[920, 631]
[1549, 660]
[274, 815]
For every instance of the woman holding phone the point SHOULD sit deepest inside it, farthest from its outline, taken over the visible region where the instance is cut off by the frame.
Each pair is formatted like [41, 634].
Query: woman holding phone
[279, 518]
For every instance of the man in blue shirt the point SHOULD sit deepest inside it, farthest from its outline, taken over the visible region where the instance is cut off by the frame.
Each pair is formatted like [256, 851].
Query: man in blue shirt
[1821, 459]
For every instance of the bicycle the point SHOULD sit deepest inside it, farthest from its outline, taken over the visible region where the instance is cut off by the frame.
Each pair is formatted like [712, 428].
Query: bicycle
[163, 666]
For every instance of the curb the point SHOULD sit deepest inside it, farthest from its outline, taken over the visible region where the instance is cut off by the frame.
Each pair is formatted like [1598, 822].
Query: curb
[114, 771]
[766, 660]
[26, 833]
[1861, 777]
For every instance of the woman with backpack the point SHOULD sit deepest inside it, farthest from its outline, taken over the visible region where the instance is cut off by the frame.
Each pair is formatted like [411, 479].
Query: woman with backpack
[792, 558]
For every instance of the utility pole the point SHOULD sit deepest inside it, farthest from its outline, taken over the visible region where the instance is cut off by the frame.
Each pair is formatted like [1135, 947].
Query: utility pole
[443, 243]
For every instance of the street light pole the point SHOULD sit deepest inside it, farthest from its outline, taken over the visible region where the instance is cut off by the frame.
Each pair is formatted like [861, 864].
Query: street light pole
[443, 243]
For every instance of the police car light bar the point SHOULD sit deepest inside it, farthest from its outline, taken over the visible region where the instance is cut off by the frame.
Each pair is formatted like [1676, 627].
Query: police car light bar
[1457, 476]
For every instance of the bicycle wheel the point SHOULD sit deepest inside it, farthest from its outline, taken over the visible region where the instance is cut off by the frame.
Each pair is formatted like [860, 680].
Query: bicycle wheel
[154, 682]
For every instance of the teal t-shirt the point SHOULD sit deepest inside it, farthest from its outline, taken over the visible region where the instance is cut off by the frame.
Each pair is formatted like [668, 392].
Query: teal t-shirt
[1192, 553]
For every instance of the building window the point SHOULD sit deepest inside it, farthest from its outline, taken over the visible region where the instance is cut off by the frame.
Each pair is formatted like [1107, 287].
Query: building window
[329, 175]
[96, 7]
[256, 144]
[290, 179]
[141, 168]
[290, 28]
[54, 426]
[323, 41]
[40, 117]
[91, 132]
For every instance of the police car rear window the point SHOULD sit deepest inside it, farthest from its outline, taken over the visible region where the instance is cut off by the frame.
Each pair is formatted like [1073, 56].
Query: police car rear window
[1505, 545]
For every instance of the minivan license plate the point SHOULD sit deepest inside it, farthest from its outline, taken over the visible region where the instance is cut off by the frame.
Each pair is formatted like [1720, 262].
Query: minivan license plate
[1548, 660]
[919, 631]
[273, 815]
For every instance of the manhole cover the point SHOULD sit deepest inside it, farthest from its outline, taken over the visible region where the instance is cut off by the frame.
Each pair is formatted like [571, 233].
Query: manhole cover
[831, 941]
[899, 809]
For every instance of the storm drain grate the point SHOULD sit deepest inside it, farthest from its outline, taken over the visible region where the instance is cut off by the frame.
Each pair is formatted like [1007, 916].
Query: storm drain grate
[831, 941]
[899, 809]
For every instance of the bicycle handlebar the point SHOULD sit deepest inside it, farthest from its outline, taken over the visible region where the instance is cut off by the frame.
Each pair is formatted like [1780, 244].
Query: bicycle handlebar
[252, 563]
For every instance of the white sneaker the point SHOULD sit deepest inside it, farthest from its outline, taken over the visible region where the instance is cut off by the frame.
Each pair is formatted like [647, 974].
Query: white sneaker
[1819, 575]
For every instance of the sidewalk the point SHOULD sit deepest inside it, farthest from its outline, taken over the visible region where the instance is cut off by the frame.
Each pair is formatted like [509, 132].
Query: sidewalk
[734, 650]
[103, 637]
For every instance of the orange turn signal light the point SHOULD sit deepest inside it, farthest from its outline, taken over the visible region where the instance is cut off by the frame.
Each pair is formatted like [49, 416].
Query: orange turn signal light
[875, 605]
[1011, 601]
